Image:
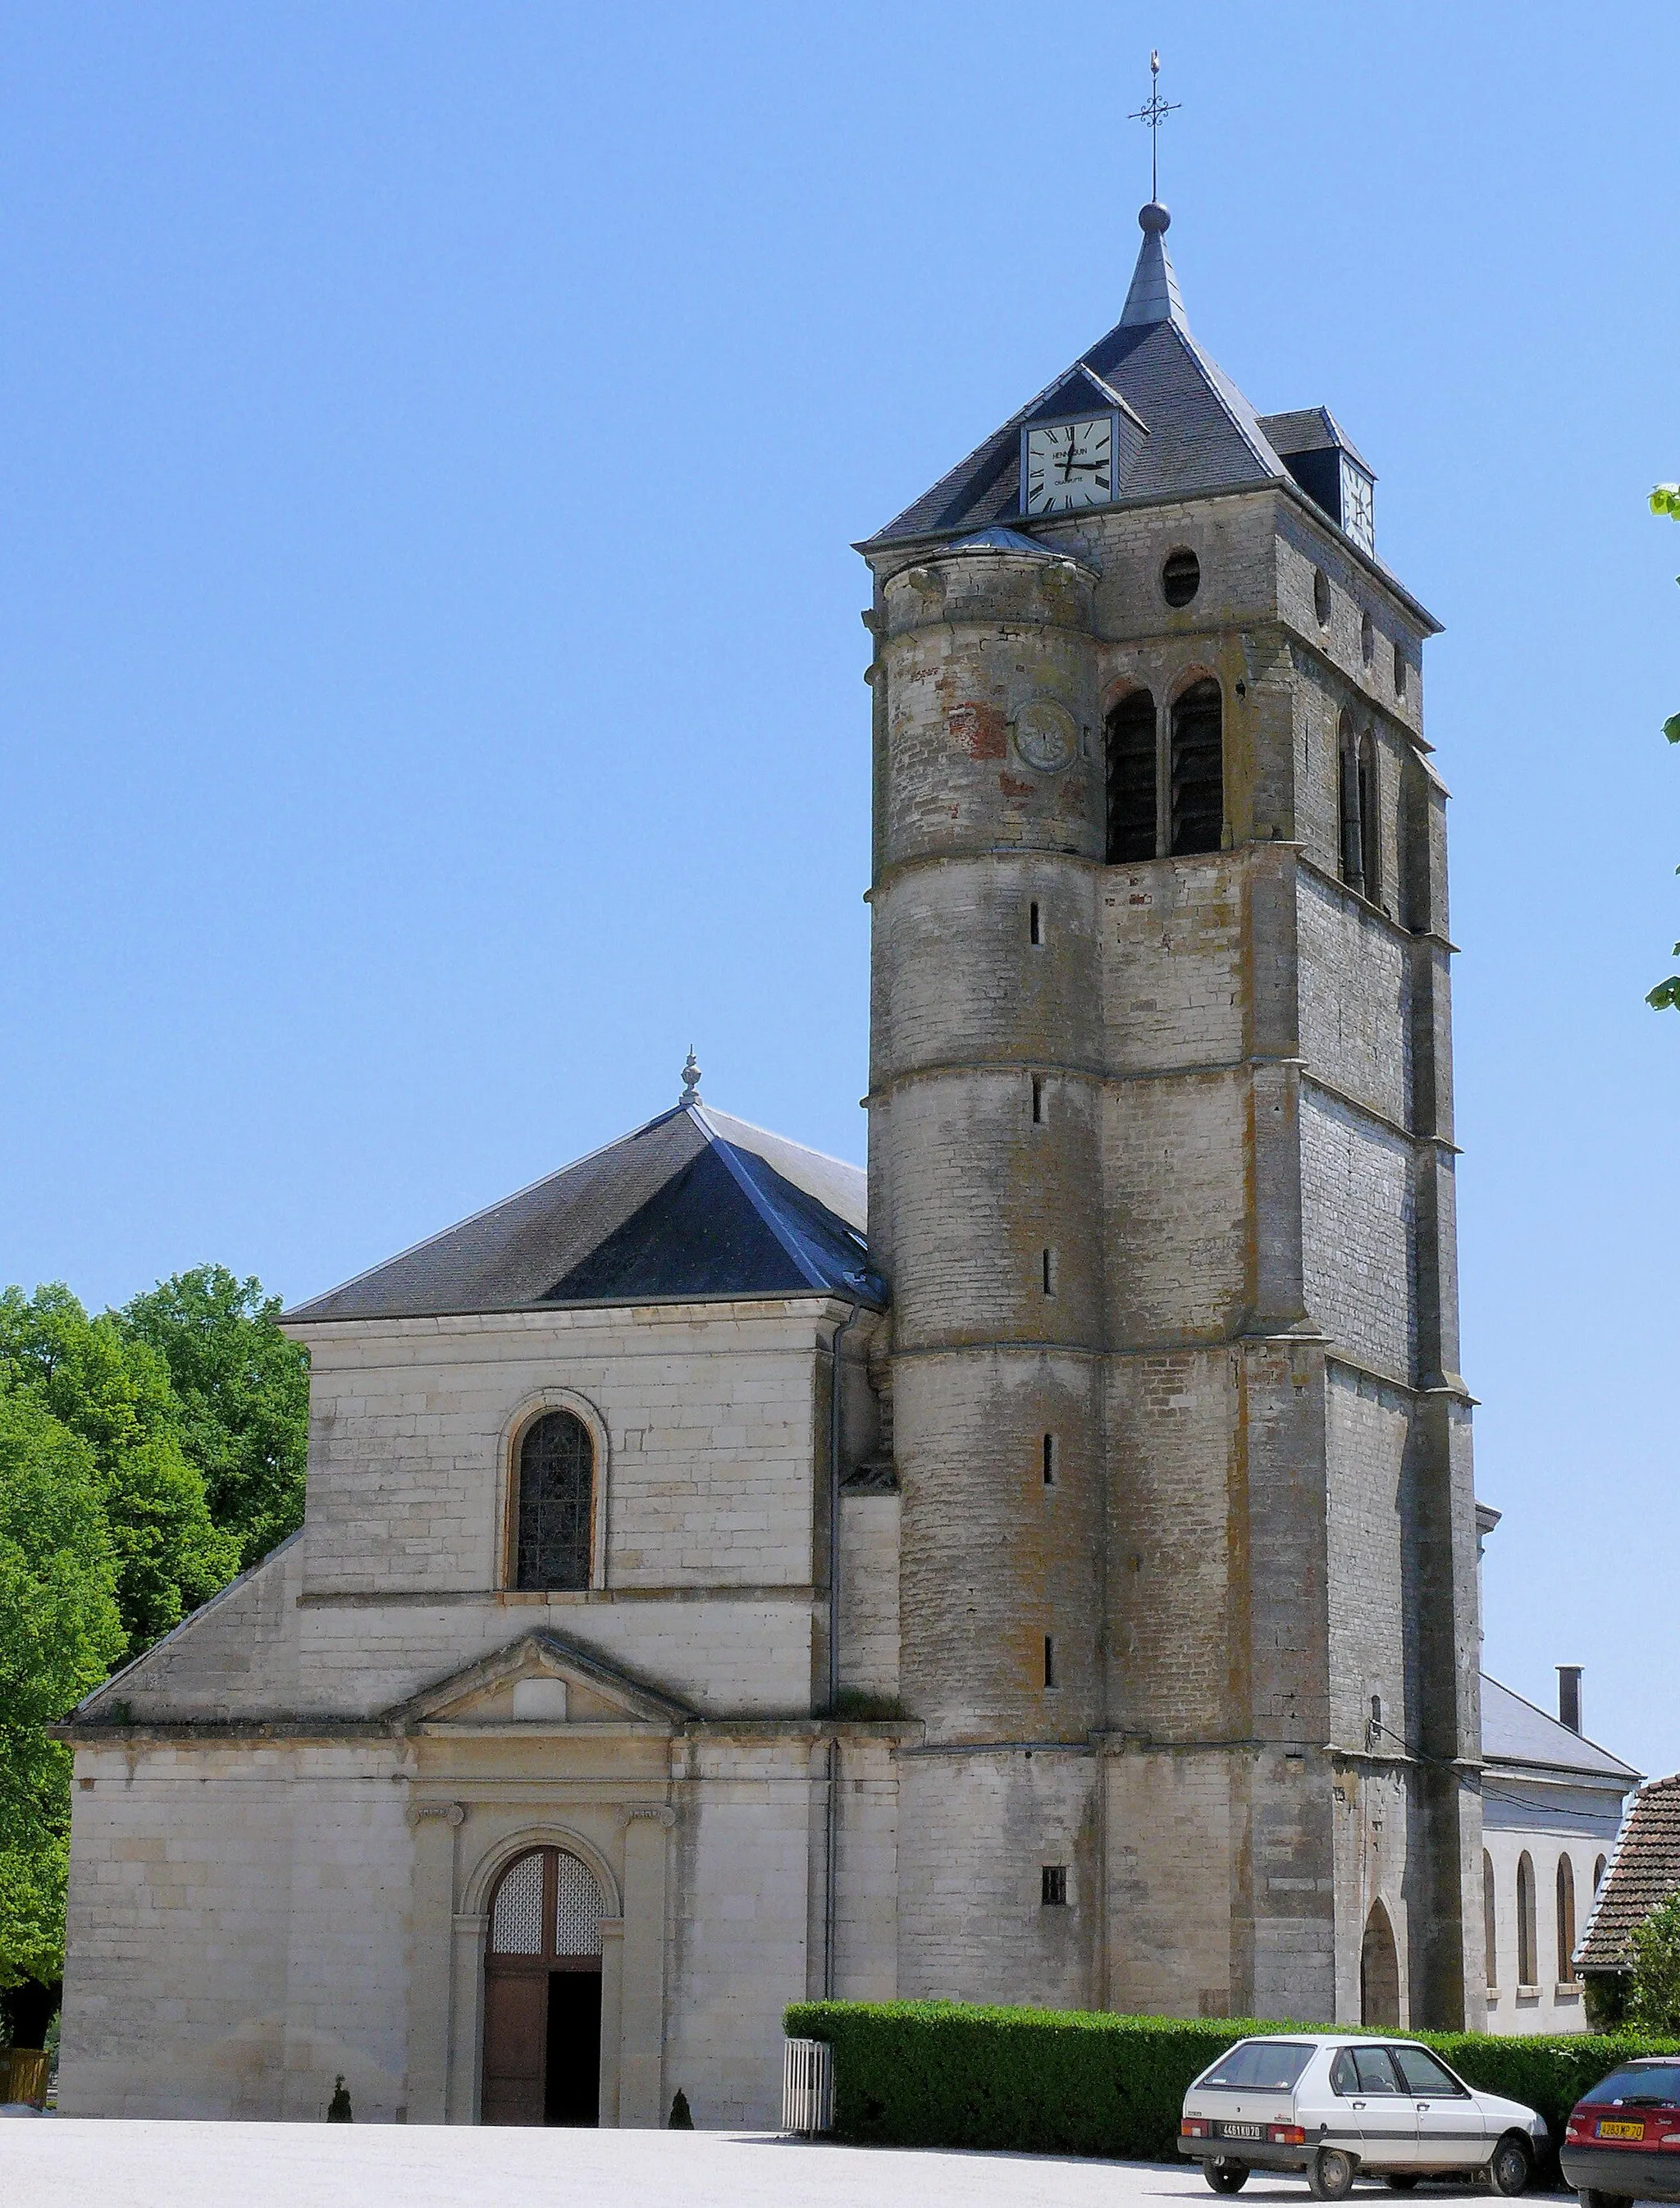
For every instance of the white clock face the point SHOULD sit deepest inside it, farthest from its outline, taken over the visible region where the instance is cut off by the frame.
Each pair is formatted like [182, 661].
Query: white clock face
[1356, 506]
[1070, 464]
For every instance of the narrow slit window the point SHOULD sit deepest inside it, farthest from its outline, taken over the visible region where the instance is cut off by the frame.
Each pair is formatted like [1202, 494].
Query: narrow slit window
[1035, 924]
[1198, 771]
[1131, 779]
[1049, 1659]
[1399, 672]
[1047, 1269]
[1490, 1924]
[1038, 1099]
[1049, 1460]
[1052, 1886]
[1367, 639]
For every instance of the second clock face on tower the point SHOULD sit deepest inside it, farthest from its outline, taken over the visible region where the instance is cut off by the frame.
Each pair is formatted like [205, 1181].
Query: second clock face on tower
[1068, 463]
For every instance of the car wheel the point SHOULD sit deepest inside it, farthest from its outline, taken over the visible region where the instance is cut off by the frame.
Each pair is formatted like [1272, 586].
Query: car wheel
[1330, 2173]
[1400, 2181]
[1225, 2176]
[1512, 2166]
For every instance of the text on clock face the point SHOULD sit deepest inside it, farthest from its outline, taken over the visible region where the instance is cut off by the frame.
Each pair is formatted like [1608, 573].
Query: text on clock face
[1070, 464]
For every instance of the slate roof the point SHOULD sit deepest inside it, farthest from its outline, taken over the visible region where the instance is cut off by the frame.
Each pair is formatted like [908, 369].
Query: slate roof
[1644, 1872]
[1516, 1732]
[695, 1204]
[1185, 427]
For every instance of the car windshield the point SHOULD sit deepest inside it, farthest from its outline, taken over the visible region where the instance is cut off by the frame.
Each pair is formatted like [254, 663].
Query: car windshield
[1651, 2084]
[1263, 2064]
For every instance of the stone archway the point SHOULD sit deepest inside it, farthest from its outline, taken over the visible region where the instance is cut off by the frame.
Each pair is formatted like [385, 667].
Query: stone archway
[1379, 1972]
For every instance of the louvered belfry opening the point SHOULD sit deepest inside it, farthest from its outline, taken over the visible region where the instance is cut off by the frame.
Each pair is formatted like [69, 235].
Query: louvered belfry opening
[1131, 779]
[1198, 769]
[1351, 794]
[541, 2055]
[556, 1484]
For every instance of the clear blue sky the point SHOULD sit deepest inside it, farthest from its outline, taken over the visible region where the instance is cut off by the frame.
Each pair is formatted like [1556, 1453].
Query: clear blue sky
[429, 663]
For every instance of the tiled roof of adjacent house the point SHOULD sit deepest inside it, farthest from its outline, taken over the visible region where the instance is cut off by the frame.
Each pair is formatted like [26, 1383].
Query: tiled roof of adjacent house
[694, 1204]
[1644, 1873]
[1515, 1732]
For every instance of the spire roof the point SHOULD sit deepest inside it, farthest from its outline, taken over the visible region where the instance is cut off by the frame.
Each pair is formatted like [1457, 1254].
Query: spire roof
[1154, 296]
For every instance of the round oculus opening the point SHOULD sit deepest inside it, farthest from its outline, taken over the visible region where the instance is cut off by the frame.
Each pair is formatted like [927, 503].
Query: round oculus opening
[1180, 577]
[1321, 597]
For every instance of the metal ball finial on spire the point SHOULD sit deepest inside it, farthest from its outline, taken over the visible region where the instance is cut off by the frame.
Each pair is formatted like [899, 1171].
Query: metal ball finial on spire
[691, 1080]
[1153, 111]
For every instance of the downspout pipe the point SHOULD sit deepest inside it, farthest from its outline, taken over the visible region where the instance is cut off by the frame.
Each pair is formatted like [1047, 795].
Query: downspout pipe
[831, 1847]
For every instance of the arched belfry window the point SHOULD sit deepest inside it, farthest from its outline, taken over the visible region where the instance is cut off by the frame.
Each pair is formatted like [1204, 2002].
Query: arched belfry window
[1369, 841]
[1198, 769]
[1351, 779]
[555, 1504]
[1132, 778]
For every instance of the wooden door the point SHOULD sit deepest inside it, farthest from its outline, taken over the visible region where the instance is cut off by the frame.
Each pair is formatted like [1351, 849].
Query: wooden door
[543, 1992]
[516, 2041]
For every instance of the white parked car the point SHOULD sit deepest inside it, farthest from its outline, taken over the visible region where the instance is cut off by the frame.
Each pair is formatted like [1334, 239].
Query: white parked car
[1337, 2108]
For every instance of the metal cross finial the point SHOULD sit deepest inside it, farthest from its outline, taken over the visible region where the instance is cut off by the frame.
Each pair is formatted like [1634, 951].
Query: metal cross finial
[1152, 112]
[691, 1080]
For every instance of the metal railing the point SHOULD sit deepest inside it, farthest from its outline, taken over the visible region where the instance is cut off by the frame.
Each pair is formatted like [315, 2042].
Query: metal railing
[807, 2086]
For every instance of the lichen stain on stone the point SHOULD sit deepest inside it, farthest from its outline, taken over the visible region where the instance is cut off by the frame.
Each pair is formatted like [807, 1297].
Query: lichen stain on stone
[979, 728]
[1012, 788]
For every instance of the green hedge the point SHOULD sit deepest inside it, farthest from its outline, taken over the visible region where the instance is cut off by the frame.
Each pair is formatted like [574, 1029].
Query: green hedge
[1056, 2081]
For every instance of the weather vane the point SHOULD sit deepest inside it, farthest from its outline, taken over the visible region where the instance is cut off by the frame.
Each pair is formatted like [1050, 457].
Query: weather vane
[1152, 112]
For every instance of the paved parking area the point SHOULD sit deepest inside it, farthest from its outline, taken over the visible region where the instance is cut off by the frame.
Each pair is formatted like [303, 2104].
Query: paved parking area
[62, 2161]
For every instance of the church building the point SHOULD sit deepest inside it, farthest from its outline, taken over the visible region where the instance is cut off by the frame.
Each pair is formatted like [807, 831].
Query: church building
[1044, 1572]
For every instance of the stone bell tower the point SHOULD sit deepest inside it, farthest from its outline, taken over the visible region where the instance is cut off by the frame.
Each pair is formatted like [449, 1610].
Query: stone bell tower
[1161, 1180]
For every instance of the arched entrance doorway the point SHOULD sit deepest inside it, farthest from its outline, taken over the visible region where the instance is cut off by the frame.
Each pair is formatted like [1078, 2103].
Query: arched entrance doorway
[543, 1992]
[1379, 1972]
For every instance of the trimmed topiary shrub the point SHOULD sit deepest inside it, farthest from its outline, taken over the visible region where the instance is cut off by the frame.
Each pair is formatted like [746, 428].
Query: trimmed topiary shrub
[1058, 2081]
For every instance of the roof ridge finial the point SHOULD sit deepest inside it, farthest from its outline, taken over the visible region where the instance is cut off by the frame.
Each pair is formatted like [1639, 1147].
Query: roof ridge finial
[691, 1081]
[1153, 111]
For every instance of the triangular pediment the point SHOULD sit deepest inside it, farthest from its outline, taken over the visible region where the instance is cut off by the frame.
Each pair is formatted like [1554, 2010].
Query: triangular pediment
[542, 1679]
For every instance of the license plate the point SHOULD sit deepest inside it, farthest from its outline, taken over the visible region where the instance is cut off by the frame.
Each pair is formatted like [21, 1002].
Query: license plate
[1621, 2131]
[1242, 2131]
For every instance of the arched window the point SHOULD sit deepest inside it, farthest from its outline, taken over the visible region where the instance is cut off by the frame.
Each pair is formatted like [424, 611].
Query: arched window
[1490, 1922]
[1566, 1924]
[1132, 778]
[1198, 769]
[1599, 1869]
[1527, 1944]
[1369, 840]
[555, 1504]
[1352, 819]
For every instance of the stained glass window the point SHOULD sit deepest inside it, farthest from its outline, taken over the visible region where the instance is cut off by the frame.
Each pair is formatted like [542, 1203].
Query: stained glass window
[557, 1482]
[516, 1923]
[577, 1909]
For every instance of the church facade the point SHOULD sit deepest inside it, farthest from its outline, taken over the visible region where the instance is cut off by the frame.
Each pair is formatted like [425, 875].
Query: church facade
[1048, 1575]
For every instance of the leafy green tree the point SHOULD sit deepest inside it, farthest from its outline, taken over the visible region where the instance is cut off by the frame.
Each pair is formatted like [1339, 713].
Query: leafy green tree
[60, 1634]
[113, 1393]
[1653, 1990]
[1665, 997]
[241, 1391]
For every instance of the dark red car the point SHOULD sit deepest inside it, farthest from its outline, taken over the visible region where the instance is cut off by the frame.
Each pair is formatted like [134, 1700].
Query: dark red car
[1624, 2139]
